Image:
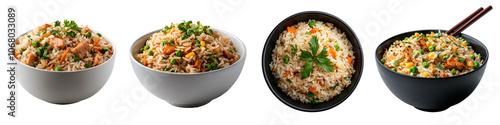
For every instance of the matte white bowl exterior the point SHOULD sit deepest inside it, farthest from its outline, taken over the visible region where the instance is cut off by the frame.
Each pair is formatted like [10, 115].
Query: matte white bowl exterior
[64, 87]
[188, 89]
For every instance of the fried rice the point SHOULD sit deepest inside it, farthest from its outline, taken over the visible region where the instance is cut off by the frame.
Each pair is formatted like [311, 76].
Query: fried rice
[187, 48]
[62, 46]
[431, 55]
[290, 66]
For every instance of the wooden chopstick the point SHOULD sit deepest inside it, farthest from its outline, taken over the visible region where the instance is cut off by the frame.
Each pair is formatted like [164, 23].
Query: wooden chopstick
[471, 21]
[463, 21]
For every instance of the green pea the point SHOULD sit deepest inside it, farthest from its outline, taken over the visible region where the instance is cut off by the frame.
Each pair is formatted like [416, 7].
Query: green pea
[421, 51]
[163, 43]
[394, 69]
[57, 68]
[90, 65]
[413, 69]
[150, 53]
[36, 43]
[214, 65]
[184, 36]
[480, 56]
[230, 50]
[453, 71]
[166, 69]
[285, 59]
[310, 94]
[76, 58]
[105, 49]
[147, 47]
[425, 64]
[382, 60]
[315, 101]
[170, 41]
[198, 42]
[210, 57]
[337, 47]
[173, 61]
[178, 53]
[472, 56]
[445, 57]
[208, 66]
[476, 65]
[141, 50]
[88, 34]
[432, 48]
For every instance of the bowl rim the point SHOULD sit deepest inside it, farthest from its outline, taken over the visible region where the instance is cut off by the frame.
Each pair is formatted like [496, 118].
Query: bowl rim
[266, 77]
[93, 67]
[461, 34]
[229, 35]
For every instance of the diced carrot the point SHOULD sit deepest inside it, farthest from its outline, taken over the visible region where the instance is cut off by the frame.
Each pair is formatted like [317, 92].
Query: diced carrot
[17, 54]
[349, 60]
[197, 64]
[332, 52]
[464, 44]
[97, 41]
[312, 31]
[288, 73]
[111, 52]
[290, 29]
[312, 89]
[45, 35]
[97, 48]
[64, 55]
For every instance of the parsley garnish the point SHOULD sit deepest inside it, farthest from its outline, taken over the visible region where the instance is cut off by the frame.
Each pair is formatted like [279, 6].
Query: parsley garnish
[320, 59]
[294, 49]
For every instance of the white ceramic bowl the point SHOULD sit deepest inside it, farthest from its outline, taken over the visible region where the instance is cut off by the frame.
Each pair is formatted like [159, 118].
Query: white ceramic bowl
[64, 87]
[188, 89]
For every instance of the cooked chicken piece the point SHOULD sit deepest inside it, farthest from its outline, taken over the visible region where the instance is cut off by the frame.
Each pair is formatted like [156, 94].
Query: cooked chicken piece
[32, 58]
[57, 42]
[97, 59]
[81, 49]
[168, 49]
[453, 63]
[228, 54]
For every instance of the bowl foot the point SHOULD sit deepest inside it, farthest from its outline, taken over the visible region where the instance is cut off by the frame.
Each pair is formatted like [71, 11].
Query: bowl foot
[432, 110]
[190, 105]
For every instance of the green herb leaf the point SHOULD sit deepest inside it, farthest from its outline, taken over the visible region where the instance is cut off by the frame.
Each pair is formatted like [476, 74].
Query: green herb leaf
[294, 49]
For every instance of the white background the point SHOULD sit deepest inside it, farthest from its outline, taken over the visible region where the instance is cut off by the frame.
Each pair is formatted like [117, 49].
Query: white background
[124, 101]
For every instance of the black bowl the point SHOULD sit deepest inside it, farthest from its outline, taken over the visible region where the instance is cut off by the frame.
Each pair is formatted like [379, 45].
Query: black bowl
[431, 94]
[303, 17]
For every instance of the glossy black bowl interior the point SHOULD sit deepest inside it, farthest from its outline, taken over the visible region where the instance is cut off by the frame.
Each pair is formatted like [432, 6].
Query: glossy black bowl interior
[304, 17]
[431, 94]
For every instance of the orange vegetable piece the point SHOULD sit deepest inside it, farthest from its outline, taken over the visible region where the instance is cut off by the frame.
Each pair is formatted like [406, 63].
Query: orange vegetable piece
[349, 60]
[332, 52]
[97, 48]
[312, 30]
[97, 41]
[464, 44]
[290, 29]
[312, 89]
[197, 64]
[45, 35]
[64, 55]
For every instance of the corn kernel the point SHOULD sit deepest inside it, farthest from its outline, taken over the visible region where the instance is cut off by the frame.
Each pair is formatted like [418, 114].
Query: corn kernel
[449, 37]
[409, 65]
[190, 54]
[432, 34]
[426, 74]
[428, 44]
[470, 63]
[431, 55]
[431, 67]
[202, 43]
[216, 50]
[417, 34]
[454, 48]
